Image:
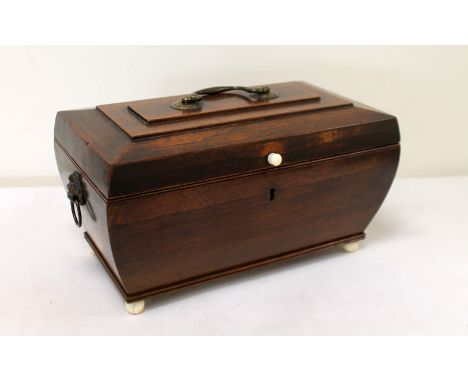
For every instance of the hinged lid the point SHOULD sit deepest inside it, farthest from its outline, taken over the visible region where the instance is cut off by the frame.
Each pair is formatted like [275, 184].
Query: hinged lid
[137, 147]
[154, 117]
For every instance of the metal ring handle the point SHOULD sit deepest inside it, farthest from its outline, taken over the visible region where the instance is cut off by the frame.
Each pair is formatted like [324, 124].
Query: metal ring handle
[78, 220]
[76, 195]
[192, 102]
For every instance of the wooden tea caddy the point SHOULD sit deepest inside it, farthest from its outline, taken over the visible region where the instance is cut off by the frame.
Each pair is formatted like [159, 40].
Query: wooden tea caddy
[174, 191]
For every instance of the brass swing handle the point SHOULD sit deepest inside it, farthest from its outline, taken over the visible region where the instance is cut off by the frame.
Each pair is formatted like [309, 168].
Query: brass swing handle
[222, 89]
[193, 102]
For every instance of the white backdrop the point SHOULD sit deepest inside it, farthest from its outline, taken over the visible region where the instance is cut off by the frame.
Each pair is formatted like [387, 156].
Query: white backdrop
[425, 87]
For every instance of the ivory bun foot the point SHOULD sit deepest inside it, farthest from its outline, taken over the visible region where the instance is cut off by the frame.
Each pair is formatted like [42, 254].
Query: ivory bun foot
[351, 247]
[136, 307]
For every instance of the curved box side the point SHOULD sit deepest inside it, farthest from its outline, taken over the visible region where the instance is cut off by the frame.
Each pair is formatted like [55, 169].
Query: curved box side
[171, 239]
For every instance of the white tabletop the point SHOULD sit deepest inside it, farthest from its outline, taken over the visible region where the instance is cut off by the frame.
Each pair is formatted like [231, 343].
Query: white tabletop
[409, 277]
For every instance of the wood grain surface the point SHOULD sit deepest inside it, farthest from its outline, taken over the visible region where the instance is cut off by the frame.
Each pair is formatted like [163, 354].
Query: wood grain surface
[176, 209]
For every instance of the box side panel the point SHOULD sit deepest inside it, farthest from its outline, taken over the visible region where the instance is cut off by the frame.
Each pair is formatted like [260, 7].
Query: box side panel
[94, 211]
[168, 238]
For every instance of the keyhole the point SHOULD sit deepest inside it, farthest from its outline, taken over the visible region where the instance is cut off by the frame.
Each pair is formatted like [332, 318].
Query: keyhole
[272, 194]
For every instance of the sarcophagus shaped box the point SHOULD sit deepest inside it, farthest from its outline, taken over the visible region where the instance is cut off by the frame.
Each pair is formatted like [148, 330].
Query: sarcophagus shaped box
[173, 191]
